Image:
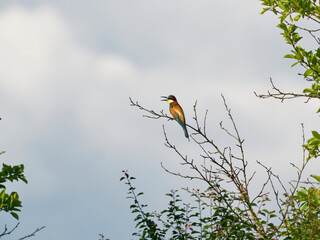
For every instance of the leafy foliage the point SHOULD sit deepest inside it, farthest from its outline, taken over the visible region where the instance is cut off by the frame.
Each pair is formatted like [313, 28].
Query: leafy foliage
[209, 219]
[313, 145]
[9, 202]
[304, 219]
[291, 13]
[301, 19]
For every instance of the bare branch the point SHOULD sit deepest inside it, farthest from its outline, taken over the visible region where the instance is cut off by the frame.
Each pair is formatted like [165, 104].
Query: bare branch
[33, 234]
[205, 122]
[283, 95]
[196, 116]
[153, 114]
[5, 231]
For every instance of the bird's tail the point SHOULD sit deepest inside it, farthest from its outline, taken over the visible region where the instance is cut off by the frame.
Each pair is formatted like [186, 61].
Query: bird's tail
[186, 132]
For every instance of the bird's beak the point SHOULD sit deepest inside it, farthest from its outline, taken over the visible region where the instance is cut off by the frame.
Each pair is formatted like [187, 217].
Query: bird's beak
[164, 98]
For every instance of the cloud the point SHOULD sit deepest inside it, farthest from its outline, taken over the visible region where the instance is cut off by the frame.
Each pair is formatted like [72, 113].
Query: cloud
[48, 80]
[60, 114]
[66, 112]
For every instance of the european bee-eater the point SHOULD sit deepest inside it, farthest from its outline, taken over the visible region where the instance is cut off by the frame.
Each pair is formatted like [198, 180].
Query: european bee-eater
[177, 112]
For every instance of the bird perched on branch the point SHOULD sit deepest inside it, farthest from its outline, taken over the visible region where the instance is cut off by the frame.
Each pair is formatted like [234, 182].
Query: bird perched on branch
[176, 112]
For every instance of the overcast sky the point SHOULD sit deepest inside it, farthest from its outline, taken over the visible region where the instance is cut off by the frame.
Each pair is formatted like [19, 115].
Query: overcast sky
[68, 68]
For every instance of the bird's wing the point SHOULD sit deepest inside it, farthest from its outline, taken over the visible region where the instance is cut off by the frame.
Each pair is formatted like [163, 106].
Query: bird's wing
[179, 117]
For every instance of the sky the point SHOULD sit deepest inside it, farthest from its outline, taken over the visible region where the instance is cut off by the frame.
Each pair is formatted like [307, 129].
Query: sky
[68, 69]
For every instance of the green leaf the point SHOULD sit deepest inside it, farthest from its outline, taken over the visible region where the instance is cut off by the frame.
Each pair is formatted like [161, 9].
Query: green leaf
[264, 10]
[316, 177]
[308, 72]
[296, 18]
[283, 26]
[282, 6]
[283, 17]
[313, 142]
[308, 90]
[16, 216]
[290, 56]
[316, 135]
[294, 64]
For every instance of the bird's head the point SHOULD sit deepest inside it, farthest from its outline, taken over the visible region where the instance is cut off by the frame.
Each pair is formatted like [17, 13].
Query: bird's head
[169, 99]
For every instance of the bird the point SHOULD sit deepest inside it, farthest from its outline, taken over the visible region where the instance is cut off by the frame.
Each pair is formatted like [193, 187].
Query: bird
[177, 112]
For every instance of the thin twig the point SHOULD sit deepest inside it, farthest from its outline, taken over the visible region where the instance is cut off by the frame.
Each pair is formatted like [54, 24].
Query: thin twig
[283, 95]
[32, 234]
[5, 231]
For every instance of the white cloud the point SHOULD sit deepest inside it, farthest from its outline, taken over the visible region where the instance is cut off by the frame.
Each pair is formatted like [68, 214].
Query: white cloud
[49, 79]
